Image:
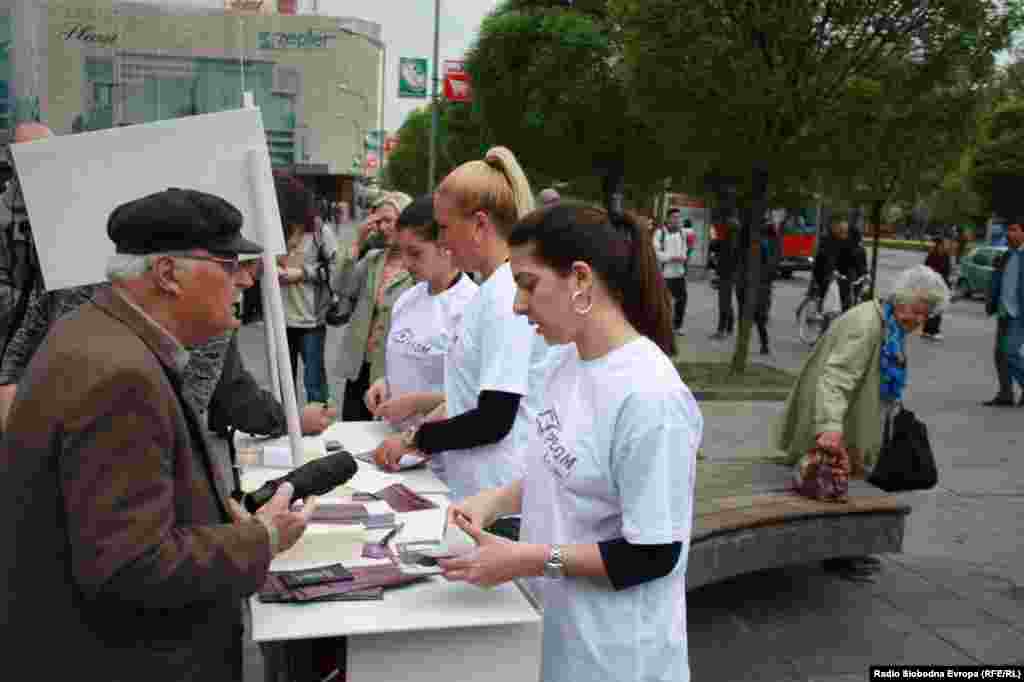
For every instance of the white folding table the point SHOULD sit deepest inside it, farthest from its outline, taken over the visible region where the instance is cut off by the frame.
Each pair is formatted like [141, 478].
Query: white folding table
[430, 630]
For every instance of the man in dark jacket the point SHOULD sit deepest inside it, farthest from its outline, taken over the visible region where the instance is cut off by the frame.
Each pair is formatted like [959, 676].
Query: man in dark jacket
[840, 253]
[727, 233]
[123, 552]
[1006, 301]
[766, 275]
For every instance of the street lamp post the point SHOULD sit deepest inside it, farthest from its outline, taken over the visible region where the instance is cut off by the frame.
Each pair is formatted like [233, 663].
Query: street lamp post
[434, 119]
[380, 87]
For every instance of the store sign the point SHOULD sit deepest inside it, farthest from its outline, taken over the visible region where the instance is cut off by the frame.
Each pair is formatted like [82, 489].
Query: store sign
[248, 7]
[281, 40]
[456, 81]
[87, 33]
[412, 77]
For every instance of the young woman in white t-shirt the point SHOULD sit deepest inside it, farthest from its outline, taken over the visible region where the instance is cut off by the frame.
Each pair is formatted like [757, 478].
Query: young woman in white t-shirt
[494, 363]
[423, 322]
[607, 496]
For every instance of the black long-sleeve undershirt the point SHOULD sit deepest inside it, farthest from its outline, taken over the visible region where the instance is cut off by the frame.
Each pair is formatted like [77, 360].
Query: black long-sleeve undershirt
[629, 565]
[487, 423]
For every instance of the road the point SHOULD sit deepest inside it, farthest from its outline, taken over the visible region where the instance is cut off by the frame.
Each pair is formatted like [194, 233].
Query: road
[956, 594]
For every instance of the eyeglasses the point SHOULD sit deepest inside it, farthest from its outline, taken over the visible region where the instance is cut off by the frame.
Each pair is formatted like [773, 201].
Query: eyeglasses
[230, 265]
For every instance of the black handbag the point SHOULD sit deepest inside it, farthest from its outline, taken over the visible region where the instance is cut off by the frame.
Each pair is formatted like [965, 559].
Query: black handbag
[906, 461]
[338, 311]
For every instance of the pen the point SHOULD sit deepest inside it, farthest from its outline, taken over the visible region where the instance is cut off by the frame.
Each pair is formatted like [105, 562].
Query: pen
[391, 534]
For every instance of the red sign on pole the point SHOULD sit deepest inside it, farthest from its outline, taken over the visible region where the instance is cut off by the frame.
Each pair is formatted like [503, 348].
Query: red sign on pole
[456, 81]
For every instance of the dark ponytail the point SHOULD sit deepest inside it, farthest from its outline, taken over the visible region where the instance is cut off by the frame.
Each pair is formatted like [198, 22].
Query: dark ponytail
[648, 305]
[617, 248]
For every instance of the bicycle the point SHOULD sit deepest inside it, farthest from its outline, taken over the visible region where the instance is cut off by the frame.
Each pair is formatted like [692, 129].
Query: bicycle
[812, 322]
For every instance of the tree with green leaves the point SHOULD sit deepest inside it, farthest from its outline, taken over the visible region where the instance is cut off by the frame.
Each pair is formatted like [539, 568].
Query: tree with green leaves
[752, 88]
[888, 145]
[998, 165]
[549, 81]
[462, 137]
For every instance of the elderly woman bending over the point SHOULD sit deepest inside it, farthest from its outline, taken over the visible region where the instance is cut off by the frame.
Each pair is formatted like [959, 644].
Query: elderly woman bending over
[857, 372]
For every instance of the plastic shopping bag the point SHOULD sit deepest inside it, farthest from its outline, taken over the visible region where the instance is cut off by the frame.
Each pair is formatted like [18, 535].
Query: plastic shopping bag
[832, 303]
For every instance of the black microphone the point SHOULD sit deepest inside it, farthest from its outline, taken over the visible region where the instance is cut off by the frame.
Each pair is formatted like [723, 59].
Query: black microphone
[312, 478]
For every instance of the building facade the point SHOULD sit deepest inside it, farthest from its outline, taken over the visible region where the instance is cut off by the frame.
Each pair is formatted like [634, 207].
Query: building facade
[81, 65]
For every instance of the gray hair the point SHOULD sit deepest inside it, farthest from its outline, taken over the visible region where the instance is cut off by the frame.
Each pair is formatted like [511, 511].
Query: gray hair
[132, 266]
[397, 200]
[920, 284]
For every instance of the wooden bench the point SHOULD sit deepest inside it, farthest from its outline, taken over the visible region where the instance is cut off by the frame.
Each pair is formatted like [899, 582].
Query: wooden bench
[746, 520]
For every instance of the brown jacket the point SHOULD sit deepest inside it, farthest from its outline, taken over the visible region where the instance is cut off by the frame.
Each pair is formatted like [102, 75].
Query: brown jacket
[118, 558]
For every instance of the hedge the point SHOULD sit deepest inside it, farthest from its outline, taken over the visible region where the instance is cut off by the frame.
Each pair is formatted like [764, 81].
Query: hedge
[901, 244]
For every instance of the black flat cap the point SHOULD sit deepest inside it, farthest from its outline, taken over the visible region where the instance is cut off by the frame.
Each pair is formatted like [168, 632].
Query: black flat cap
[178, 220]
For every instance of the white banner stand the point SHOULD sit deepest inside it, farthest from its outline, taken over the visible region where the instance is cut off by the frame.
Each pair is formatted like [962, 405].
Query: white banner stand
[92, 173]
[274, 316]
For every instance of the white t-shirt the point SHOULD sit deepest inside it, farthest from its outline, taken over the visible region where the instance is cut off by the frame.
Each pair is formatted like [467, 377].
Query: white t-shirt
[422, 326]
[494, 350]
[613, 455]
[667, 245]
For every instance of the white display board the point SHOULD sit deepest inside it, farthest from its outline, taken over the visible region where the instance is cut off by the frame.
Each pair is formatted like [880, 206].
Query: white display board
[72, 183]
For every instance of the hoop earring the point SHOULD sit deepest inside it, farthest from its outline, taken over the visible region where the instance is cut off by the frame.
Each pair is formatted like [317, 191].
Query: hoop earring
[581, 311]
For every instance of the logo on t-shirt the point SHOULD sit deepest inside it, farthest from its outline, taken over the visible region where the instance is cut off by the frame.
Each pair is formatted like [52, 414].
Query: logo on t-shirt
[558, 458]
[406, 337]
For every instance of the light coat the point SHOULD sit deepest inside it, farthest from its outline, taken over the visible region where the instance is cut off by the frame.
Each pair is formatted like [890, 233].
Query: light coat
[356, 282]
[839, 388]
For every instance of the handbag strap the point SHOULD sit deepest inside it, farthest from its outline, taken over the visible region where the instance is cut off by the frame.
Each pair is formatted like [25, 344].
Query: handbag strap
[887, 431]
[323, 264]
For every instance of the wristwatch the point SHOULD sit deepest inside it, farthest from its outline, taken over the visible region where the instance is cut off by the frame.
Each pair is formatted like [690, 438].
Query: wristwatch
[409, 437]
[554, 567]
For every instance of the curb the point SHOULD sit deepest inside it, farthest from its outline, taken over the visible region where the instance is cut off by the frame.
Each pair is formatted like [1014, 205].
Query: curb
[740, 395]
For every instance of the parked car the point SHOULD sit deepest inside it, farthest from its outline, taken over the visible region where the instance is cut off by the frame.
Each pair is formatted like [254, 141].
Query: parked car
[975, 274]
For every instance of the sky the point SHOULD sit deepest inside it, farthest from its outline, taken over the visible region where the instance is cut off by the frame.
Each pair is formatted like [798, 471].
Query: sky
[407, 27]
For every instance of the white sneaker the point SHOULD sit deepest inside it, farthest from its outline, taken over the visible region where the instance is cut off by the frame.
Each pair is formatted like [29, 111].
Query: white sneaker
[937, 337]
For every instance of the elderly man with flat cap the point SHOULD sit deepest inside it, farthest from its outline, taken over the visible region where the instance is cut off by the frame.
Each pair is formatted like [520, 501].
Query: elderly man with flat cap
[122, 558]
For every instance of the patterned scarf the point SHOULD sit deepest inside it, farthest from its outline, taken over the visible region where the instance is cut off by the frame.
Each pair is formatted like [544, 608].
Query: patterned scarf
[894, 359]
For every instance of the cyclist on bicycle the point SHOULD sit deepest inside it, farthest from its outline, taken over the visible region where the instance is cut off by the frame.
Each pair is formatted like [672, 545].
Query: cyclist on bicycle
[841, 253]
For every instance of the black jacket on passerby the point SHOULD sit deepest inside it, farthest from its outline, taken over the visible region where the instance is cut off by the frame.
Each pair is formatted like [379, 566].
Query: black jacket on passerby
[845, 256]
[725, 255]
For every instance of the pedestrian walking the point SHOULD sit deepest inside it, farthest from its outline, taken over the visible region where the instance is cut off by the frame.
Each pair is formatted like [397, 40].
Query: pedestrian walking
[940, 261]
[727, 233]
[766, 276]
[1006, 302]
[673, 252]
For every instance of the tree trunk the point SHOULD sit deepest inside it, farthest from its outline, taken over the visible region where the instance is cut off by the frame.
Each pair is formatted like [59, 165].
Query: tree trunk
[613, 184]
[750, 241]
[876, 217]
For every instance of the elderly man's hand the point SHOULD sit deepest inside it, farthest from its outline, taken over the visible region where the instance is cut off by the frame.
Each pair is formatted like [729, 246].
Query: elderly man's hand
[316, 417]
[290, 524]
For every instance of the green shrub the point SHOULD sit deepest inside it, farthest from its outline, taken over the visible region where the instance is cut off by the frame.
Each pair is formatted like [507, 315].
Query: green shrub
[901, 244]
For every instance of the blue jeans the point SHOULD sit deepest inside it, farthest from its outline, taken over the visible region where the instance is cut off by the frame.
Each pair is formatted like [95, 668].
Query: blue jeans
[309, 343]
